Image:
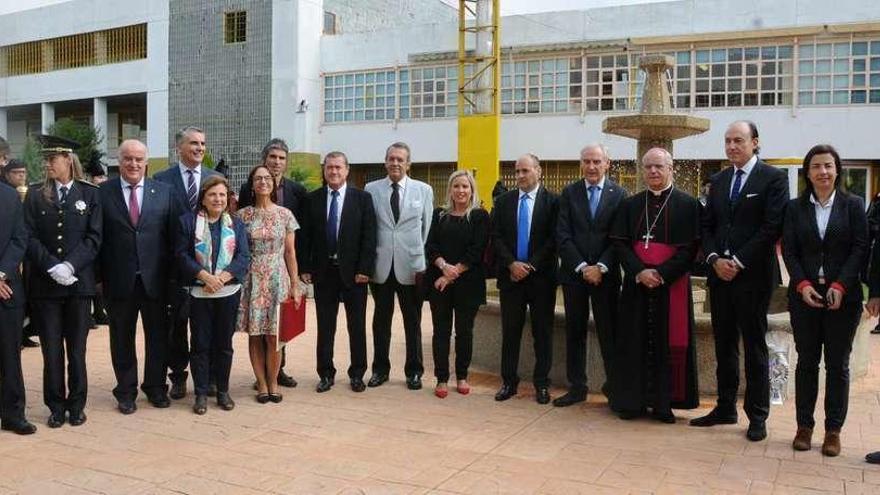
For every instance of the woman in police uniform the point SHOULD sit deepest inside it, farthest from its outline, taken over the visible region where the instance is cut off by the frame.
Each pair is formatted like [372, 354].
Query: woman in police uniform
[63, 219]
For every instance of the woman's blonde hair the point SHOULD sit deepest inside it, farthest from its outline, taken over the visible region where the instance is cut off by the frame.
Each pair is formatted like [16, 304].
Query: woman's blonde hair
[76, 173]
[450, 204]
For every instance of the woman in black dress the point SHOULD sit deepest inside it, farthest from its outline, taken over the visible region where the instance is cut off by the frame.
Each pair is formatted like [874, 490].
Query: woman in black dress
[456, 277]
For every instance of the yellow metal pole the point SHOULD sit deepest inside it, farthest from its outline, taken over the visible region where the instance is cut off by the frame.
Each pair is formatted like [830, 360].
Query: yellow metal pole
[479, 134]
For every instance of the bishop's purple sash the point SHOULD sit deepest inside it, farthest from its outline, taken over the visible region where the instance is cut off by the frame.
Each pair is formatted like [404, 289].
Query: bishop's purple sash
[679, 317]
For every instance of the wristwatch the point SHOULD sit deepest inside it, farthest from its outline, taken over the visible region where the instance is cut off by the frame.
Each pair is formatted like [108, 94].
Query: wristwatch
[603, 269]
[2, 276]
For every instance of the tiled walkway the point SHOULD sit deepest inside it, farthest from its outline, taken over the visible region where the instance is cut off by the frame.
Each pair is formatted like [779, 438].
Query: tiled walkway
[391, 440]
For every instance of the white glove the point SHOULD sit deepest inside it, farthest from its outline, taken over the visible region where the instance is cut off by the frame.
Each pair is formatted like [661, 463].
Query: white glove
[62, 273]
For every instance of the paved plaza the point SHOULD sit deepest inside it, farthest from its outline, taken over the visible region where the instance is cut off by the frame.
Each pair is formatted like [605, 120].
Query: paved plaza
[392, 440]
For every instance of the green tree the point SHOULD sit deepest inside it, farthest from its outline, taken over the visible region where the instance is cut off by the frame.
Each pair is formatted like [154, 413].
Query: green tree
[88, 137]
[33, 160]
[305, 169]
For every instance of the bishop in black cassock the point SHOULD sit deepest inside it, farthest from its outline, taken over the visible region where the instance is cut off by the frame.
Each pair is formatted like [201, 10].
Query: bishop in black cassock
[656, 234]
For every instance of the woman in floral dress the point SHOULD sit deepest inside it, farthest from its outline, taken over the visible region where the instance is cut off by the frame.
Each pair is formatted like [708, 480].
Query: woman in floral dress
[270, 231]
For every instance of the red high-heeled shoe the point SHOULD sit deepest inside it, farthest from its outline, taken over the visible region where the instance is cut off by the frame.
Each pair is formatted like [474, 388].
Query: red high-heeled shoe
[441, 392]
[463, 389]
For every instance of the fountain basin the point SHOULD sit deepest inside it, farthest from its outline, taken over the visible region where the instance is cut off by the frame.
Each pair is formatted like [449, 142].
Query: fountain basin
[655, 126]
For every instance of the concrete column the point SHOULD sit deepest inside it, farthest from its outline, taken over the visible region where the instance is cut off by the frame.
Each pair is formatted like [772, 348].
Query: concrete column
[47, 116]
[4, 124]
[157, 124]
[99, 117]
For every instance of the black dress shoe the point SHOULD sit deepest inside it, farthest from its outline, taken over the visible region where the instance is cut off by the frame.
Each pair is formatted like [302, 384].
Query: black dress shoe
[28, 342]
[542, 395]
[101, 318]
[56, 420]
[127, 407]
[286, 380]
[628, 415]
[262, 398]
[414, 382]
[21, 427]
[377, 379]
[201, 405]
[715, 417]
[324, 385]
[178, 390]
[212, 390]
[505, 392]
[225, 401]
[873, 457]
[357, 385]
[160, 401]
[664, 416]
[76, 418]
[570, 398]
[757, 431]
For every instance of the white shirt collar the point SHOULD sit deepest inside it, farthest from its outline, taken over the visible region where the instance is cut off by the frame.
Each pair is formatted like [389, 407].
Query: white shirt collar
[183, 168]
[341, 190]
[126, 184]
[827, 205]
[59, 185]
[531, 194]
[747, 168]
[661, 191]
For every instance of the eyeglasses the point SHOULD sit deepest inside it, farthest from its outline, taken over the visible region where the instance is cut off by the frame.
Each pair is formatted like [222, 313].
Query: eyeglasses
[263, 178]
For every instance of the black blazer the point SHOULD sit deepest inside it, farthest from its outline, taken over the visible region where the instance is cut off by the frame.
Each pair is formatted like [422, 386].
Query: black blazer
[542, 235]
[186, 257]
[147, 248]
[13, 244]
[584, 239]
[459, 240]
[750, 227]
[841, 254]
[294, 196]
[171, 176]
[56, 234]
[356, 240]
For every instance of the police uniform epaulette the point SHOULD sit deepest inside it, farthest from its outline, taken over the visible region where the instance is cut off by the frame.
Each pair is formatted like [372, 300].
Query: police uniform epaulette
[85, 182]
[36, 185]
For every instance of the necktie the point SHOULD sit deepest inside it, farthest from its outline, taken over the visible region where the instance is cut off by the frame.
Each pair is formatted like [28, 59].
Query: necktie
[331, 224]
[395, 201]
[522, 230]
[134, 211]
[63, 190]
[594, 200]
[192, 193]
[737, 184]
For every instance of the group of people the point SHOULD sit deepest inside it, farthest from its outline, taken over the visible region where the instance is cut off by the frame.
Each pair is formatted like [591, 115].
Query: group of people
[172, 250]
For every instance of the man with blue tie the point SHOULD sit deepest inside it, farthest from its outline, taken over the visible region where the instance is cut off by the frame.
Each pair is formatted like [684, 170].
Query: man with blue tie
[185, 179]
[140, 216]
[524, 236]
[590, 271]
[339, 256]
[741, 223]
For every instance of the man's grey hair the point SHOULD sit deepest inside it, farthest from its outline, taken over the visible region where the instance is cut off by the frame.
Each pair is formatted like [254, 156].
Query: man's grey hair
[401, 146]
[663, 151]
[273, 144]
[180, 135]
[600, 146]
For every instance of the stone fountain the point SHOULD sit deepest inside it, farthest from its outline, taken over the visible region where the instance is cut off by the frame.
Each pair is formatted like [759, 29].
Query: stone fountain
[655, 125]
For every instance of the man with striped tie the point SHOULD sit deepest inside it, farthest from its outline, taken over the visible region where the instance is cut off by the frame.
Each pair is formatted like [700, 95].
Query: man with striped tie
[185, 178]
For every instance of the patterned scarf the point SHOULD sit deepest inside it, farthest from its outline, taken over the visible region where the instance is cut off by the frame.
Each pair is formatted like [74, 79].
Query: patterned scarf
[204, 246]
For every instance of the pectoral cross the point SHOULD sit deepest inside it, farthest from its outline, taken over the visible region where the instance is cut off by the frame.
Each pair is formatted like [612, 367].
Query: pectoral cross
[647, 237]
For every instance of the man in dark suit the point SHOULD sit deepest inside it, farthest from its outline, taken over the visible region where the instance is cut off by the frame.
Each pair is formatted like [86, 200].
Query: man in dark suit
[139, 228]
[13, 244]
[524, 236]
[590, 270]
[185, 179]
[339, 259]
[288, 194]
[742, 221]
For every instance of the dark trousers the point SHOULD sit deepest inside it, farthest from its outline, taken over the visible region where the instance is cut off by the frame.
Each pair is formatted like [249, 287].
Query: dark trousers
[212, 324]
[123, 314]
[411, 310]
[738, 309]
[12, 393]
[577, 298]
[178, 342]
[444, 306]
[328, 293]
[815, 330]
[64, 327]
[540, 297]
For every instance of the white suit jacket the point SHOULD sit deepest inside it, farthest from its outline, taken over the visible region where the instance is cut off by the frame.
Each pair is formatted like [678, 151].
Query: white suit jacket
[402, 242]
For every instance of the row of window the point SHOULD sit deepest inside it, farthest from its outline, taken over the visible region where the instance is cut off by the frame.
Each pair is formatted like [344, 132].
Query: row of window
[817, 73]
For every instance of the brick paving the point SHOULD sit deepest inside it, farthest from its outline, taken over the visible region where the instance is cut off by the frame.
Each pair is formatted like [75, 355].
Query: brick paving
[392, 440]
